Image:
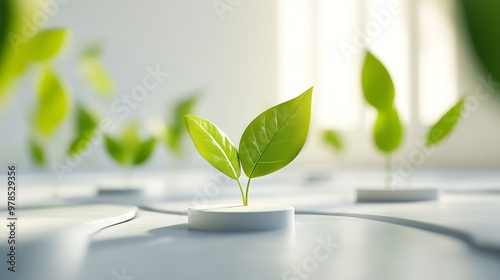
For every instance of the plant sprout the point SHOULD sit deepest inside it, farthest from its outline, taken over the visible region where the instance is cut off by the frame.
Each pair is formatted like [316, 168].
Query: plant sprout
[269, 143]
[378, 91]
[129, 149]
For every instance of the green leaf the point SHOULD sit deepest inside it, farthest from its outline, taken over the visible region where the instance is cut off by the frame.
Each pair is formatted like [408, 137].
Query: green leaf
[115, 150]
[444, 126]
[480, 28]
[377, 85]
[86, 125]
[52, 103]
[144, 151]
[176, 130]
[332, 138]
[5, 25]
[275, 137]
[214, 146]
[47, 44]
[130, 141]
[95, 73]
[388, 132]
[37, 153]
[129, 149]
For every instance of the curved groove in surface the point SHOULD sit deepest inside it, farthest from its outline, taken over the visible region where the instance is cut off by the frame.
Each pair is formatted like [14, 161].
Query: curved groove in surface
[442, 230]
[170, 212]
[132, 214]
[457, 234]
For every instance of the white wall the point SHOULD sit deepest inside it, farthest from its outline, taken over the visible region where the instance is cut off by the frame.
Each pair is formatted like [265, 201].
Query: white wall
[233, 60]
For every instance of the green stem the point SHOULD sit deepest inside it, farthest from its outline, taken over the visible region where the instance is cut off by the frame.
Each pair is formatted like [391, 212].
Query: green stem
[388, 172]
[246, 192]
[241, 191]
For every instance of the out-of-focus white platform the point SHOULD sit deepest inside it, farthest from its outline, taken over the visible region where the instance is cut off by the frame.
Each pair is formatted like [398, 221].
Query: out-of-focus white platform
[82, 236]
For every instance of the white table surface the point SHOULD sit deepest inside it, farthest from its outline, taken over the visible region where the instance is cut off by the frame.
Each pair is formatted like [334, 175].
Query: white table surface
[454, 238]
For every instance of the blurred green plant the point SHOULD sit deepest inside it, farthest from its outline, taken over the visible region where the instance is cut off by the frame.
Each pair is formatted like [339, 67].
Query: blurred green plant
[379, 92]
[86, 125]
[482, 26]
[37, 153]
[5, 25]
[17, 48]
[95, 73]
[445, 125]
[52, 102]
[52, 97]
[176, 129]
[269, 143]
[46, 45]
[333, 139]
[129, 149]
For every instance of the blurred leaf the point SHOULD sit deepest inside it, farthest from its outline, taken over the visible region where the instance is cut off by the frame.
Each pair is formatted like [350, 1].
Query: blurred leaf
[273, 139]
[144, 151]
[115, 150]
[172, 138]
[86, 125]
[11, 61]
[47, 44]
[95, 73]
[214, 146]
[176, 130]
[482, 26]
[52, 103]
[37, 153]
[129, 149]
[388, 131]
[444, 126]
[15, 56]
[332, 138]
[130, 141]
[85, 119]
[377, 85]
[5, 25]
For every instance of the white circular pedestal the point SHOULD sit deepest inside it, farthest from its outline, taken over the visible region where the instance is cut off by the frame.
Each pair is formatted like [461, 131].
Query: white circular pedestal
[223, 217]
[396, 195]
[128, 191]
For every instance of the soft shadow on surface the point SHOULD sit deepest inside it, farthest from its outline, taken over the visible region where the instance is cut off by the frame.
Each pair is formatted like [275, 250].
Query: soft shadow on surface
[182, 230]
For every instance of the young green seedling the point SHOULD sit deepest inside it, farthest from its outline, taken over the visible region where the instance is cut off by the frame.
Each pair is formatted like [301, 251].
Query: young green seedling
[129, 149]
[445, 125]
[270, 142]
[378, 91]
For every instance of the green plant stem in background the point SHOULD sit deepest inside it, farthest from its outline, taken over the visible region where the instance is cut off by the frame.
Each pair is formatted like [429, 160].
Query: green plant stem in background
[379, 92]
[388, 171]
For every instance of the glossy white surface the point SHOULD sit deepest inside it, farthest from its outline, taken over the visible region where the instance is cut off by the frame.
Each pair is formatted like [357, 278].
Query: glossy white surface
[52, 241]
[454, 238]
